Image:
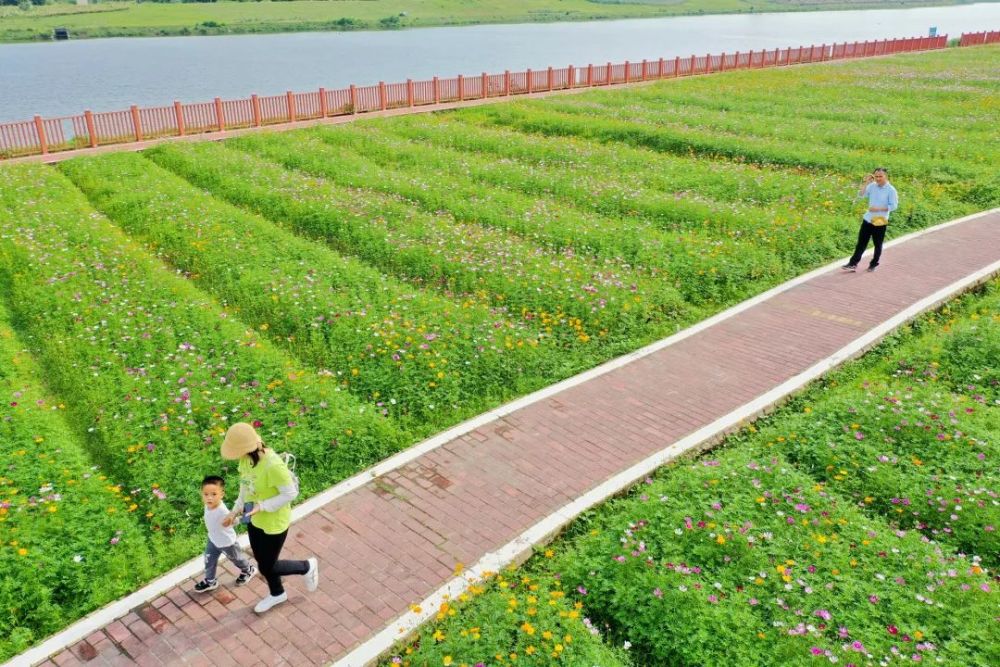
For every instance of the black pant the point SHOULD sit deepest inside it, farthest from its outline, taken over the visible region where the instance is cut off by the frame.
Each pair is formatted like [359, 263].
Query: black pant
[868, 231]
[266, 549]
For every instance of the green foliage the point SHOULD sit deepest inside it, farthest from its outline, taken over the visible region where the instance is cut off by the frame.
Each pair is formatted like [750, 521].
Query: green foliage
[353, 289]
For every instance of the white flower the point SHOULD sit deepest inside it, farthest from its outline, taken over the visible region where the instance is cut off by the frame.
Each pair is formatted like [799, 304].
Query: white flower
[77, 558]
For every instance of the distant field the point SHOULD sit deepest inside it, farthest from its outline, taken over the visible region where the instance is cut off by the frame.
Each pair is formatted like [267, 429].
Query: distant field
[356, 288]
[145, 19]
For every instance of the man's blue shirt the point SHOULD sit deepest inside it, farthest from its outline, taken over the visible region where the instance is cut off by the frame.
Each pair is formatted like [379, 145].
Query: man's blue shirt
[880, 196]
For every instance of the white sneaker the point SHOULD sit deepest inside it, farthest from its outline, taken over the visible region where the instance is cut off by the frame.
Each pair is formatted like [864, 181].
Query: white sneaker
[270, 601]
[312, 576]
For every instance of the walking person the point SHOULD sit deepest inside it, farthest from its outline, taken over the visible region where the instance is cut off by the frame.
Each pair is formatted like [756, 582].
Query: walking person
[221, 538]
[267, 488]
[882, 200]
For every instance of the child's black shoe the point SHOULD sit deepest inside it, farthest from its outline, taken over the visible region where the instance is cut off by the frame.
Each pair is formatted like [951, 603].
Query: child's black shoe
[206, 585]
[246, 576]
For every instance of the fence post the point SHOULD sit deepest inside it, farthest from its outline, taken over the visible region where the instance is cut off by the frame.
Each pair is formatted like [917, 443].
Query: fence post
[40, 129]
[570, 77]
[628, 67]
[645, 69]
[220, 118]
[708, 63]
[590, 75]
[607, 75]
[722, 62]
[179, 115]
[136, 124]
[437, 90]
[486, 85]
[677, 66]
[322, 103]
[529, 78]
[461, 88]
[691, 69]
[506, 82]
[255, 105]
[659, 70]
[383, 103]
[291, 105]
[88, 116]
[352, 93]
[409, 92]
[548, 78]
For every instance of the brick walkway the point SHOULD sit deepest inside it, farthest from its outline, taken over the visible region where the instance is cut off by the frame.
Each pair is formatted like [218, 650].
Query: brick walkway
[397, 539]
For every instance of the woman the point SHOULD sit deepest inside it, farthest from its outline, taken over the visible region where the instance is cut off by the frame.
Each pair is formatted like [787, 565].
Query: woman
[266, 481]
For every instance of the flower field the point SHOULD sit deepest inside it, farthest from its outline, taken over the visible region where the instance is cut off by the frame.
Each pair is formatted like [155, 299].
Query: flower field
[352, 290]
[856, 526]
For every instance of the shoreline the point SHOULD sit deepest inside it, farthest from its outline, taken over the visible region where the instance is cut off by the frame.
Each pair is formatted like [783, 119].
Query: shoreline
[213, 28]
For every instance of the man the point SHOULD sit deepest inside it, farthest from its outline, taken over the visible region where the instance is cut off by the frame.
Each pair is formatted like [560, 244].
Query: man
[882, 200]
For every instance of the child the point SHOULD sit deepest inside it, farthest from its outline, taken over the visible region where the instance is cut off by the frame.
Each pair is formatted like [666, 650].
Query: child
[221, 539]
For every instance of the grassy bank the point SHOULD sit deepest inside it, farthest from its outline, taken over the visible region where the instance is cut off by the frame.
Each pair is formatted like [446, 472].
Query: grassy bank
[130, 19]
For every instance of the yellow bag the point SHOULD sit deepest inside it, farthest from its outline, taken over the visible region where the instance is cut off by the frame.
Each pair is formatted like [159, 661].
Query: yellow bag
[879, 221]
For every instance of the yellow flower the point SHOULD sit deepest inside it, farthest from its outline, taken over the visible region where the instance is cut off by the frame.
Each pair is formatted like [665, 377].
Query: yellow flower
[549, 553]
[447, 660]
[438, 635]
[22, 552]
[720, 540]
[528, 628]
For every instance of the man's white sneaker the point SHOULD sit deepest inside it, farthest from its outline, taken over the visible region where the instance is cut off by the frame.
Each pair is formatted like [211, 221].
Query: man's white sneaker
[270, 601]
[312, 576]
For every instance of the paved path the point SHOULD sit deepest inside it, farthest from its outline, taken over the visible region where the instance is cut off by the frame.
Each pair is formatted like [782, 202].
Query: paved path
[396, 540]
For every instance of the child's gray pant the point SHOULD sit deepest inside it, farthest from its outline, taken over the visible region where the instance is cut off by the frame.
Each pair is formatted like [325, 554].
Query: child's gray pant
[233, 553]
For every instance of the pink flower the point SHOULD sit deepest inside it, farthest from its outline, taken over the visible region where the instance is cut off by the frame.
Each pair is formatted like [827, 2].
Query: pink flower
[802, 507]
[822, 613]
[581, 590]
[713, 599]
[858, 435]
[873, 599]
[857, 646]
[893, 630]
[816, 650]
[657, 593]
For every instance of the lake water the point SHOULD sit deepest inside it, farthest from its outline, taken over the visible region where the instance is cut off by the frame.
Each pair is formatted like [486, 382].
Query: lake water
[63, 78]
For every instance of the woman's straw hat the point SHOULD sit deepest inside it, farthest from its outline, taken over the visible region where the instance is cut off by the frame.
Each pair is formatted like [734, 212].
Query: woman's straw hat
[241, 438]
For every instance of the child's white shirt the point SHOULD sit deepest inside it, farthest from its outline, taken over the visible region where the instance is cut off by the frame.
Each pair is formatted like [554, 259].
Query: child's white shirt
[220, 535]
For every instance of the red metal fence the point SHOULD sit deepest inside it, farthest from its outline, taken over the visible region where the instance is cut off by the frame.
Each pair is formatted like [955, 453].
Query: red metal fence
[977, 38]
[41, 136]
